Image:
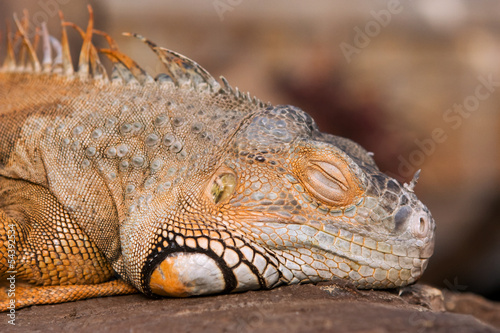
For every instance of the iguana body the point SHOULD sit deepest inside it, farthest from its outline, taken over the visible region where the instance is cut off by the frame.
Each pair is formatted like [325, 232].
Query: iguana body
[178, 186]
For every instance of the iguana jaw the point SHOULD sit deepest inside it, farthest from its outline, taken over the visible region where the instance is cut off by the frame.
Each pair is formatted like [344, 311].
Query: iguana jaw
[340, 247]
[337, 249]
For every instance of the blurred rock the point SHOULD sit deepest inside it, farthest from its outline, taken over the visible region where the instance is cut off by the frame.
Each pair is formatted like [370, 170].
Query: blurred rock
[475, 305]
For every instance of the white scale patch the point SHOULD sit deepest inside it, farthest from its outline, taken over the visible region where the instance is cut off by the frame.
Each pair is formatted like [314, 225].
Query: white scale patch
[199, 273]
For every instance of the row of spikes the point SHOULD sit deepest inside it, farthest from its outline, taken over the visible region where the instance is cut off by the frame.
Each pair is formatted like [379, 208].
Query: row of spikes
[180, 69]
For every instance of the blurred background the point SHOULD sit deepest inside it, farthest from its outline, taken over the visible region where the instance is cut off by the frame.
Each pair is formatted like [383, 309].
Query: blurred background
[415, 82]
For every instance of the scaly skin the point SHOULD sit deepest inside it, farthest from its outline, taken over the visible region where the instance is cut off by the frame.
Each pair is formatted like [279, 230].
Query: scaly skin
[179, 187]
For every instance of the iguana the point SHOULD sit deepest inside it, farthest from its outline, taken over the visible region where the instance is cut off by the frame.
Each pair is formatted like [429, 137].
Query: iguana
[117, 182]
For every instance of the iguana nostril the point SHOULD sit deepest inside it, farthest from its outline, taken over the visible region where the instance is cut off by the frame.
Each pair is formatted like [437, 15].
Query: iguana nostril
[401, 217]
[422, 225]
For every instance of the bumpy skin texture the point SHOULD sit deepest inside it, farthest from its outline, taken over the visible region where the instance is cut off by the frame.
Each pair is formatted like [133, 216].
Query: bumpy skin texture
[178, 187]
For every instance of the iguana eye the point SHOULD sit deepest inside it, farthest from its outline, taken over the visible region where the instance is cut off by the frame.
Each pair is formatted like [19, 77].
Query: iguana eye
[326, 182]
[223, 186]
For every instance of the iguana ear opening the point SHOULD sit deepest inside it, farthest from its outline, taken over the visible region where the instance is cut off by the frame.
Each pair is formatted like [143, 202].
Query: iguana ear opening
[222, 185]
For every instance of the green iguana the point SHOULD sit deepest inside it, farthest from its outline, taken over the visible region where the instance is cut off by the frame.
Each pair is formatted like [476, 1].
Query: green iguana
[178, 186]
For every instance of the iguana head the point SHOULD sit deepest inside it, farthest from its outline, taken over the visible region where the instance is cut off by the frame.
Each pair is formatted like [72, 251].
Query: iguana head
[286, 203]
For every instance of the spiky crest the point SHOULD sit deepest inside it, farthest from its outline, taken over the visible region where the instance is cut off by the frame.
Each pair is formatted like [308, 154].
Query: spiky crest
[21, 28]
[10, 61]
[67, 65]
[180, 70]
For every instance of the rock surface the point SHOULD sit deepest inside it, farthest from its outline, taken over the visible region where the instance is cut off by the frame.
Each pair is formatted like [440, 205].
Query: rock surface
[304, 308]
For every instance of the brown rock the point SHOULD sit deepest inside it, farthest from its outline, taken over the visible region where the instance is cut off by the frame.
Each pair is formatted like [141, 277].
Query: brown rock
[326, 307]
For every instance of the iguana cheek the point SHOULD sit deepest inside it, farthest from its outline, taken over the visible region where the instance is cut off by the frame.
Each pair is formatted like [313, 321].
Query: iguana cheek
[187, 274]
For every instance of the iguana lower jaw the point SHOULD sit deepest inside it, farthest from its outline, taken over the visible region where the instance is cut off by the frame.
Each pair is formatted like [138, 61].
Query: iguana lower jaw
[273, 255]
[183, 274]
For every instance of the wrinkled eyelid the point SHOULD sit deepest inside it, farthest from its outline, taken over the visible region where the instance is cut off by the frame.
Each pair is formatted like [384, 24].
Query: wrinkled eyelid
[333, 172]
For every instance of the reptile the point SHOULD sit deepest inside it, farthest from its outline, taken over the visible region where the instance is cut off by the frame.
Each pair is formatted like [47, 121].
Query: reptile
[114, 182]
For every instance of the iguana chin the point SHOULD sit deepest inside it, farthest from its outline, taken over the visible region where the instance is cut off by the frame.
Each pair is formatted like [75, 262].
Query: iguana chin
[177, 186]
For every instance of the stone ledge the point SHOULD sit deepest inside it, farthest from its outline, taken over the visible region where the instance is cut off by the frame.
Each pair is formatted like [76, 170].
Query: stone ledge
[303, 308]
